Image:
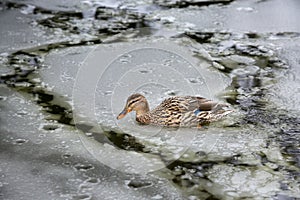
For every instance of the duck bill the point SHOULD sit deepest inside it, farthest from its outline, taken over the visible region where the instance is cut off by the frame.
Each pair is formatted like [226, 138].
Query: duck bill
[122, 114]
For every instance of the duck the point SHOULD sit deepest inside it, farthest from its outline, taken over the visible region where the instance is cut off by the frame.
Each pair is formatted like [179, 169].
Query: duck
[177, 111]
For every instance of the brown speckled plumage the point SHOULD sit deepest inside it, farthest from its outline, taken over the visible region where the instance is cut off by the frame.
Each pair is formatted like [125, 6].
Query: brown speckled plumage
[175, 111]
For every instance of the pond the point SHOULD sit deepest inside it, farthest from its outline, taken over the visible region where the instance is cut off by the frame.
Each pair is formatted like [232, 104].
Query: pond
[67, 68]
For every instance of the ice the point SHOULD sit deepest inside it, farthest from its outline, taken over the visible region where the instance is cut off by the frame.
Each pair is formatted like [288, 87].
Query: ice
[59, 135]
[49, 170]
[230, 17]
[248, 182]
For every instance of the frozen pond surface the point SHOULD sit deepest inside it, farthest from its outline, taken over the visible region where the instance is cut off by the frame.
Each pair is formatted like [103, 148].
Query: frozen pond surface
[44, 159]
[67, 69]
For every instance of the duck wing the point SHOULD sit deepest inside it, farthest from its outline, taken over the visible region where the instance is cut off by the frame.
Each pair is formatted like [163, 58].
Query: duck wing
[174, 111]
[200, 103]
[187, 103]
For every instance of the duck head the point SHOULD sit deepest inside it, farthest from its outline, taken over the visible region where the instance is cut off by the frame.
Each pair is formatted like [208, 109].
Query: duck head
[137, 103]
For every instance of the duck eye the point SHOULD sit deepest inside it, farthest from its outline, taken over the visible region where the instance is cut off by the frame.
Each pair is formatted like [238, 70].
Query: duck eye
[132, 102]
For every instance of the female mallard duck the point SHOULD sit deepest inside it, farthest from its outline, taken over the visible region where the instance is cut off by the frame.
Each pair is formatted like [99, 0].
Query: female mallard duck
[175, 111]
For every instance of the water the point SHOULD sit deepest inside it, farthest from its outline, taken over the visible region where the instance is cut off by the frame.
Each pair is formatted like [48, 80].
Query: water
[67, 69]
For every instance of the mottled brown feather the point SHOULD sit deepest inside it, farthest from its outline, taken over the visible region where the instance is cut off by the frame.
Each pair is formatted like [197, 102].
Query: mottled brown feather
[177, 111]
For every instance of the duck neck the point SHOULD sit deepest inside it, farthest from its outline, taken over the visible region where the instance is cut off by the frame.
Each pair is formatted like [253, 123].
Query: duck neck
[143, 115]
[144, 119]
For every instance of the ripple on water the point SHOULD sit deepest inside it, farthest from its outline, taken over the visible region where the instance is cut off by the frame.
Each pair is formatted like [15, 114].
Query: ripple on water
[20, 141]
[108, 93]
[138, 183]
[93, 180]
[145, 71]
[195, 80]
[50, 127]
[66, 156]
[83, 167]
[125, 59]
[83, 197]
